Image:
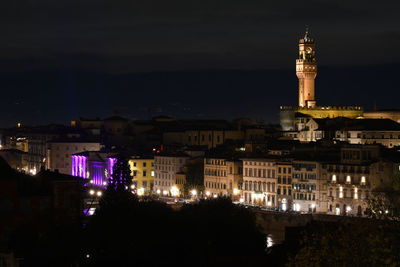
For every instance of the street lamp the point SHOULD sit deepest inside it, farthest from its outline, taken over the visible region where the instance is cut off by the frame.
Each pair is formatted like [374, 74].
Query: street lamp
[174, 191]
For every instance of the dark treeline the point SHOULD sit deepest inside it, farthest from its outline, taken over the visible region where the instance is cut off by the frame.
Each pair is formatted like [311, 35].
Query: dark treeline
[126, 231]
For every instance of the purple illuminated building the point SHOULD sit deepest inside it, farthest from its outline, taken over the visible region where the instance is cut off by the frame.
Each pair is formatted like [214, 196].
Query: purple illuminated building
[95, 166]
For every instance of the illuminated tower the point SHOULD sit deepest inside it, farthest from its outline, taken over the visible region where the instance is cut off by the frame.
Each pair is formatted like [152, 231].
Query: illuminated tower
[306, 71]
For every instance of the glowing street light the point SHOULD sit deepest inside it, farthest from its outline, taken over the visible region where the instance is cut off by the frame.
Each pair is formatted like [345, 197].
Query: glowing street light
[140, 192]
[235, 191]
[91, 192]
[215, 195]
[158, 191]
[99, 193]
[174, 191]
[194, 192]
[208, 193]
[132, 186]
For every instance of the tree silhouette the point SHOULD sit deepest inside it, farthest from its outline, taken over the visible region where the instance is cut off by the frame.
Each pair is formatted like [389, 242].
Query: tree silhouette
[121, 178]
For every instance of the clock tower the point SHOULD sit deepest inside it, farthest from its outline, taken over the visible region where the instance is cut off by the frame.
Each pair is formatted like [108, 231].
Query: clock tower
[306, 71]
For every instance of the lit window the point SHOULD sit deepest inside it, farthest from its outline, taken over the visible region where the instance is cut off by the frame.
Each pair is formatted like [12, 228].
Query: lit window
[355, 193]
[363, 180]
[334, 178]
[348, 179]
[340, 192]
[152, 173]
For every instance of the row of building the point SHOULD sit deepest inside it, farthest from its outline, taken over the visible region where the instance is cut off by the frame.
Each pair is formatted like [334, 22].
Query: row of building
[324, 178]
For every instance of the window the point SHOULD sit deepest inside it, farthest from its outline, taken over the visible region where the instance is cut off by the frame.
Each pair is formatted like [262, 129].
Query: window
[279, 190]
[134, 164]
[152, 173]
[334, 178]
[348, 179]
[134, 173]
[340, 192]
[144, 173]
[363, 180]
[144, 164]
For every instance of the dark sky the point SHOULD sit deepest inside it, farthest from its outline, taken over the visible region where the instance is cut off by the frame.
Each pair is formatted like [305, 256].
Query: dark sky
[201, 59]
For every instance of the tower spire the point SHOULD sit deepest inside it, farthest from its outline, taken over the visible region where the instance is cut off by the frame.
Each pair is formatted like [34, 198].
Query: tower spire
[306, 35]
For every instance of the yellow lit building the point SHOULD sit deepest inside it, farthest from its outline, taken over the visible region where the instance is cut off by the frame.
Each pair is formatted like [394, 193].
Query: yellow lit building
[142, 171]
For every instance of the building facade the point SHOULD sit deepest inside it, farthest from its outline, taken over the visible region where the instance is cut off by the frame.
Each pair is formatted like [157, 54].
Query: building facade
[143, 172]
[222, 177]
[166, 167]
[260, 182]
[284, 184]
[352, 181]
[60, 150]
[306, 186]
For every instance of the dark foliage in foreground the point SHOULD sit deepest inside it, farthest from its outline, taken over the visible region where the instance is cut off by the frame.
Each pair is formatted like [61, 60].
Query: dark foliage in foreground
[368, 243]
[128, 232]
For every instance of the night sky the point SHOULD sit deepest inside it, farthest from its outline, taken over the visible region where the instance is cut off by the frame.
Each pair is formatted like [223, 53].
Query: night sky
[190, 59]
